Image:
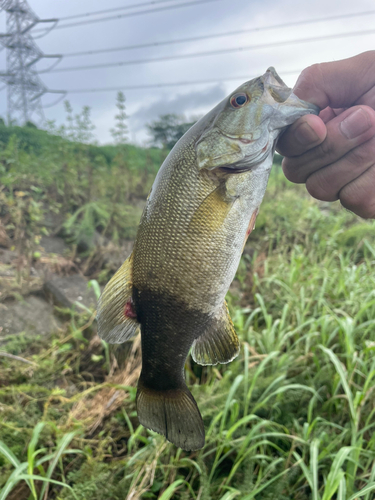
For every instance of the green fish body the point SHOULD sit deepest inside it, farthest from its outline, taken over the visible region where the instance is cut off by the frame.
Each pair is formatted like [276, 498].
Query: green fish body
[200, 211]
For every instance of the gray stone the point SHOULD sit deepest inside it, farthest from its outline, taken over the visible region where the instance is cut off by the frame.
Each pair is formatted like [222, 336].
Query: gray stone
[64, 291]
[32, 315]
[7, 256]
[114, 256]
[7, 271]
[53, 221]
[53, 244]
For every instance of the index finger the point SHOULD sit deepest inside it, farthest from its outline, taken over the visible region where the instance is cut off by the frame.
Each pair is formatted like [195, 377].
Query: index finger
[339, 83]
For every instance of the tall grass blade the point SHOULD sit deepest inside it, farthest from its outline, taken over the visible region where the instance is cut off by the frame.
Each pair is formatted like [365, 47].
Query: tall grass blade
[336, 474]
[172, 488]
[60, 449]
[343, 379]
[314, 452]
[364, 491]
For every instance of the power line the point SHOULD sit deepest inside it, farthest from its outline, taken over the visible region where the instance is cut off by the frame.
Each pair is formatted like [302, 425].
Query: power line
[216, 35]
[116, 9]
[131, 14]
[213, 52]
[173, 84]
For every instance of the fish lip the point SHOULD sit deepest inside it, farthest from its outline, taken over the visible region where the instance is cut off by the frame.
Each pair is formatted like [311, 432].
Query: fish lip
[270, 74]
[271, 79]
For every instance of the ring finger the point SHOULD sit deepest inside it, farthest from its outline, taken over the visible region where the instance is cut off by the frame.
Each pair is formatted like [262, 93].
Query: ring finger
[326, 183]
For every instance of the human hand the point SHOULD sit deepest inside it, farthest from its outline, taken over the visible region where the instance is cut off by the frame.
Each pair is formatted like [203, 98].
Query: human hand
[334, 153]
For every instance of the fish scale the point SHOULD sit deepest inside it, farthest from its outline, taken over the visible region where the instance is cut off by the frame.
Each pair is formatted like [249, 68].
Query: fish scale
[199, 213]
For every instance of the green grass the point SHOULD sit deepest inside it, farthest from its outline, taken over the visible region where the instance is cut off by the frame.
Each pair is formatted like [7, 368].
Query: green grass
[291, 418]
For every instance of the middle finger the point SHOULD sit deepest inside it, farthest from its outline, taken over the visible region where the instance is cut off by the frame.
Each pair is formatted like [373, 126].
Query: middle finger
[351, 128]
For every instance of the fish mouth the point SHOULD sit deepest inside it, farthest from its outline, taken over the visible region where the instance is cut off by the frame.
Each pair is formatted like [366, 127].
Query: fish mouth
[248, 163]
[283, 94]
[235, 170]
[276, 86]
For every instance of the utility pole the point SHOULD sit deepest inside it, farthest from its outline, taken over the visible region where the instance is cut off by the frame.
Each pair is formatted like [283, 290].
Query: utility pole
[24, 86]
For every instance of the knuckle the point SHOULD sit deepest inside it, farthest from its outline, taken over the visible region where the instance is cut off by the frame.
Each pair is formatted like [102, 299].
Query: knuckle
[325, 149]
[366, 210]
[318, 187]
[309, 79]
[292, 171]
[363, 154]
[360, 199]
[310, 74]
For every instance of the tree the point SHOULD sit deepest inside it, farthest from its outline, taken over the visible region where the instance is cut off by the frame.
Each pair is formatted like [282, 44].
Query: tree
[79, 127]
[168, 129]
[120, 131]
[84, 126]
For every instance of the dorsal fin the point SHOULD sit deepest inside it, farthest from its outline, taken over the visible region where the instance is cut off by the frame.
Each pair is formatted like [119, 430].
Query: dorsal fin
[219, 343]
[116, 316]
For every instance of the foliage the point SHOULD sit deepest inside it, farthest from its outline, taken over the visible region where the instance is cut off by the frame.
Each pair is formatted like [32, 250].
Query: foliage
[120, 131]
[89, 189]
[79, 127]
[25, 471]
[168, 129]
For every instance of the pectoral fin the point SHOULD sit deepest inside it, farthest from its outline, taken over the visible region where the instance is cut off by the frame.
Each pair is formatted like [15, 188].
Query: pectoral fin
[211, 213]
[116, 316]
[219, 343]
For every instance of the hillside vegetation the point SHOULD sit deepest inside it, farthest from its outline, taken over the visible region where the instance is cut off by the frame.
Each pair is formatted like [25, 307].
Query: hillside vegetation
[292, 418]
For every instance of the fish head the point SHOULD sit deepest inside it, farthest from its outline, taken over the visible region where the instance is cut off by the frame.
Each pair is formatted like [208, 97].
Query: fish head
[243, 129]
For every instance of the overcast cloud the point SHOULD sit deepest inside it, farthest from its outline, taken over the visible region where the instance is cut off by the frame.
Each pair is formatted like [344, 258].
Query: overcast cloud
[219, 16]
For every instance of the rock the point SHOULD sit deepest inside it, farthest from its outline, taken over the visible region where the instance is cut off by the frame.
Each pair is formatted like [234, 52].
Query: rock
[85, 243]
[7, 256]
[64, 291]
[53, 244]
[114, 256]
[4, 238]
[31, 315]
[7, 271]
[53, 221]
[13, 285]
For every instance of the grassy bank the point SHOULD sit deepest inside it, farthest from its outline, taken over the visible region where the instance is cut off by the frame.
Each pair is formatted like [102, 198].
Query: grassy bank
[291, 418]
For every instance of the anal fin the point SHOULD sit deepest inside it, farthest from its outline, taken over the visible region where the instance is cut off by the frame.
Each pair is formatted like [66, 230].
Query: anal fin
[219, 343]
[116, 316]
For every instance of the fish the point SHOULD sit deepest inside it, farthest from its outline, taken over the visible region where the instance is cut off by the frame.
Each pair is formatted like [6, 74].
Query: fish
[199, 213]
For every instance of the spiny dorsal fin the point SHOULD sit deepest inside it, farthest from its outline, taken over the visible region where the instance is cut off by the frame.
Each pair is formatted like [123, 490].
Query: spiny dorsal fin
[116, 316]
[219, 343]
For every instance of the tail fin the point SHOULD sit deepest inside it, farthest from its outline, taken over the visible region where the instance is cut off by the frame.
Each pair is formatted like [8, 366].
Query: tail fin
[172, 413]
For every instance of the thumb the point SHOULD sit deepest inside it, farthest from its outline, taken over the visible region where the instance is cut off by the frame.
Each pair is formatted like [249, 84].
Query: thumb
[337, 84]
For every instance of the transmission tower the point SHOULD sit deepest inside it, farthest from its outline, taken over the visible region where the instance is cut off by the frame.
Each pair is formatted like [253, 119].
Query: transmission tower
[24, 86]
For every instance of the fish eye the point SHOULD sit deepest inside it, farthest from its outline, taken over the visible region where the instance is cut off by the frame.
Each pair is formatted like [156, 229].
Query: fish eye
[239, 100]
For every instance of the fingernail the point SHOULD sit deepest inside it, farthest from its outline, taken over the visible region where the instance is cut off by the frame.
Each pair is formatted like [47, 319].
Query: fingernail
[305, 135]
[355, 124]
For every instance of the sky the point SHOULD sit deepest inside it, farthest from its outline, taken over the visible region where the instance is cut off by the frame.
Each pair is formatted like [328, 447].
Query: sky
[196, 20]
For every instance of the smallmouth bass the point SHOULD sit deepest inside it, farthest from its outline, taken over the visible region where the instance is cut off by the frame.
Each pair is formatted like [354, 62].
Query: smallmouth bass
[200, 211]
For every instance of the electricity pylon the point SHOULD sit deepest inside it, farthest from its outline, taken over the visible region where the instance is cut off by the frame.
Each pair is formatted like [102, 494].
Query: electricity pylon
[24, 86]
